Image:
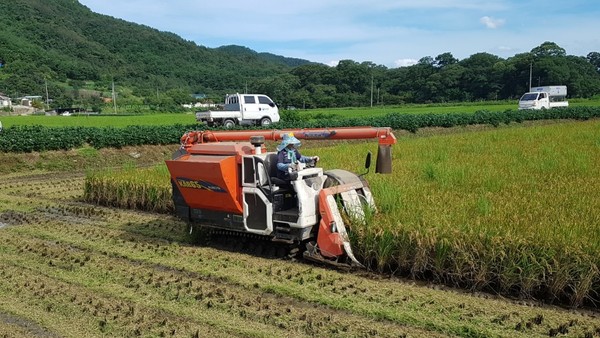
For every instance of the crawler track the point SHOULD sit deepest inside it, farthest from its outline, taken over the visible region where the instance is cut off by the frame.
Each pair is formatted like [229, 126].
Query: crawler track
[256, 245]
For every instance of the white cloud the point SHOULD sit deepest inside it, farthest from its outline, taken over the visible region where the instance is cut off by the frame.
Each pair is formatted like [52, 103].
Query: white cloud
[491, 23]
[405, 62]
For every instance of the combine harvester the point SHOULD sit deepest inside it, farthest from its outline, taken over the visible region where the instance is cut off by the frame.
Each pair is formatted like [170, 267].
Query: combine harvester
[226, 180]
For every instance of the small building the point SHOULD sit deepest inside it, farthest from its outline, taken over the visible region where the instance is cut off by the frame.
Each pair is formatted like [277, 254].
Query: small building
[198, 96]
[201, 102]
[5, 101]
[27, 100]
[199, 105]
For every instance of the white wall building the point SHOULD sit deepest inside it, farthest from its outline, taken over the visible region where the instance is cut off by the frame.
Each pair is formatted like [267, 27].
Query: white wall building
[5, 101]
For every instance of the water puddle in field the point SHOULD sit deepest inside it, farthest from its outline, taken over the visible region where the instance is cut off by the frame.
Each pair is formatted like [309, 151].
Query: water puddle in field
[2, 225]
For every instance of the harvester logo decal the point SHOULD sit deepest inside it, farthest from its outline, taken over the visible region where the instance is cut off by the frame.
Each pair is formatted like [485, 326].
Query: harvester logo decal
[198, 184]
[319, 135]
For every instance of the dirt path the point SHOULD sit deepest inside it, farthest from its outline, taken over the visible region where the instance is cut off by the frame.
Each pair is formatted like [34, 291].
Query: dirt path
[73, 269]
[18, 327]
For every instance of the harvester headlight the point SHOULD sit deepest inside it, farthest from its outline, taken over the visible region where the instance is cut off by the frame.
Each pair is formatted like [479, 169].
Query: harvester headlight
[333, 227]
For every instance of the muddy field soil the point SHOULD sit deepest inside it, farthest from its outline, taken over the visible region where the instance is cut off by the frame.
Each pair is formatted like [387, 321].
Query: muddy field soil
[73, 269]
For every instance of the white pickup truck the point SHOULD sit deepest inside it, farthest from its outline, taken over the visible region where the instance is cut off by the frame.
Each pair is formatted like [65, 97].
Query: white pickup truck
[545, 97]
[242, 109]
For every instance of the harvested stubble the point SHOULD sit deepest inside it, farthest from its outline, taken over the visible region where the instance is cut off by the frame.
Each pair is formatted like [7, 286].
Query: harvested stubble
[512, 211]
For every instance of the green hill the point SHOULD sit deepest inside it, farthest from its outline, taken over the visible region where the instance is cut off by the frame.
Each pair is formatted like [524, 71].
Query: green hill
[64, 42]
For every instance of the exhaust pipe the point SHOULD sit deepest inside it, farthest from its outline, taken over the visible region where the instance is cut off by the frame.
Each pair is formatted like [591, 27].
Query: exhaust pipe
[384, 159]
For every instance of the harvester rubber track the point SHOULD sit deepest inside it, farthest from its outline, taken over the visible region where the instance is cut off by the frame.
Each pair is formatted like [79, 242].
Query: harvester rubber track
[264, 246]
[253, 244]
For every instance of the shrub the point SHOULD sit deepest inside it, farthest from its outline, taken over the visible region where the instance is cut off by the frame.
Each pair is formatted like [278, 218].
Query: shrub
[40, 138]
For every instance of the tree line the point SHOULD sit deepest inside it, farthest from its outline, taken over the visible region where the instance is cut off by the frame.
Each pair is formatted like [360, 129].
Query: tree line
[443, 78]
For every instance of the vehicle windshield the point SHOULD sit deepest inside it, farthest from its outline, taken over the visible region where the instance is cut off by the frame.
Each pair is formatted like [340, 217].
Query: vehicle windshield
[529, 97]
[264, 100]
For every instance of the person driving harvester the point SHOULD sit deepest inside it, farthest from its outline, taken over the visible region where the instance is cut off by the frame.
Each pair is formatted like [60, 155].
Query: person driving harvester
[288, 157]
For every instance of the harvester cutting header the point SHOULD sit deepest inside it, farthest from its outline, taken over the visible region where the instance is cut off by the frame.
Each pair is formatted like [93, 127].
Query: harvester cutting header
[227, 180]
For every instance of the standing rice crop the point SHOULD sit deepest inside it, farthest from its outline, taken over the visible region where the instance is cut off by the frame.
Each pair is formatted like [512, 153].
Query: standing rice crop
[512, 210]
[131, 187]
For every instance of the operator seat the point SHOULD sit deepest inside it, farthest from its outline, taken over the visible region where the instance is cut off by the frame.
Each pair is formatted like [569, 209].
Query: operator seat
[271, 165]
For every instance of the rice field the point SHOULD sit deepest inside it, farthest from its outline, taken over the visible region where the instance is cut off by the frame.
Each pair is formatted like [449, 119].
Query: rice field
[131, 188]
[511, 211]
[70, 268]
[108, 120]
[73, 269]
[435, 108]
[188, 118]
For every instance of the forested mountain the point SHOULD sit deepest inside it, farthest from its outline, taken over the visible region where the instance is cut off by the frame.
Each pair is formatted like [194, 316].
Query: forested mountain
[240, 50]
[64, 42]
[78, 54]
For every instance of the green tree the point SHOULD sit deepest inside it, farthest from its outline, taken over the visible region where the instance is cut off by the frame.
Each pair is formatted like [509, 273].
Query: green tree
[444, 85]
[594, 59]
[548, 49]
[480, 80]
[280, 88]
[352, 77]
[314, 74]
[179, 96]
[445, 59]
[514, 74]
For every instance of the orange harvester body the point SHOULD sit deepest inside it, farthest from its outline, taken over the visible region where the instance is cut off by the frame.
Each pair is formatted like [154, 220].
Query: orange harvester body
[209, 176]
[231, 185]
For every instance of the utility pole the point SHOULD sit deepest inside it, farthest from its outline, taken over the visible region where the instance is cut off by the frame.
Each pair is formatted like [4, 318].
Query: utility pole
[114, 96]
[530, 71]
[371, 90]
[47, 99]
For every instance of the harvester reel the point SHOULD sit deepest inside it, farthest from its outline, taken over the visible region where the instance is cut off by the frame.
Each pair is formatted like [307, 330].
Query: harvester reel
[355, 202]
[344, 197]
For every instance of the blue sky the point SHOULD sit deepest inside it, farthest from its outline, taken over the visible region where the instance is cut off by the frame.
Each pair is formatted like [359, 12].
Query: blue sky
[387, 32]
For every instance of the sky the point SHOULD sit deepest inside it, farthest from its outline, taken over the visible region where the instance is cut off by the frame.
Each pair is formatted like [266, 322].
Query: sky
[392, 33]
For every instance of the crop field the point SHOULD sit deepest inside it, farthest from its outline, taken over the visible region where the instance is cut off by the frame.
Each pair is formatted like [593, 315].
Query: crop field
[100, 120]
[78, 269]
[75, 269]
[440, 108]
[410, 109]
[510, 211]
[131, 188]
[110, 120]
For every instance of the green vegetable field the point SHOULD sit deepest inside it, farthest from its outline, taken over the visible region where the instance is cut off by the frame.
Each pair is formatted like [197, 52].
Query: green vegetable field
[30, 138]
